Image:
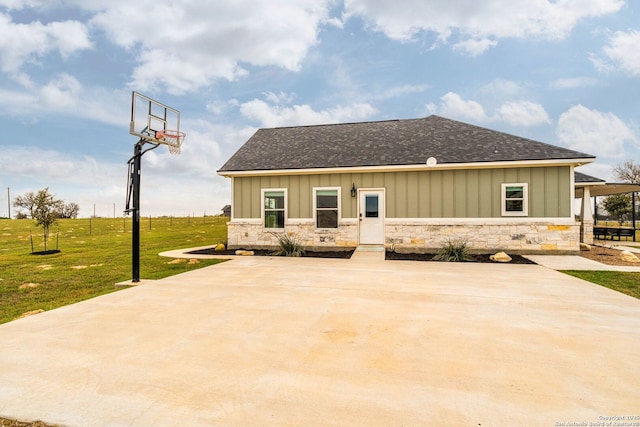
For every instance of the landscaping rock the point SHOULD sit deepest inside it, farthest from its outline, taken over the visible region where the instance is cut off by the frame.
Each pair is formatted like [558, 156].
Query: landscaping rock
[629, 257]
[244, 253]
[220, 247]
[585, 247]
[177, 261]
[500, 257]
[194, 261]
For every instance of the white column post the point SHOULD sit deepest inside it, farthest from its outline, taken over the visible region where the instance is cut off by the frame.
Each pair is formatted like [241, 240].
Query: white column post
[586, 217]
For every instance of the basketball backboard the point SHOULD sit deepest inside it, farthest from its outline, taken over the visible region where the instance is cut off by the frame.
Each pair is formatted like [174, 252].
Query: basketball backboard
[150, 119]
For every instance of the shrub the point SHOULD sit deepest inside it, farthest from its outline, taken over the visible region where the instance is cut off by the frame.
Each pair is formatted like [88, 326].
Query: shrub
[288, 245]
[453, 251]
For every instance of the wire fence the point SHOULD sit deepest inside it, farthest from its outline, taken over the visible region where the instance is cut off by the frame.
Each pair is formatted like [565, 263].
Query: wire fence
[98, 226]
[125, 224]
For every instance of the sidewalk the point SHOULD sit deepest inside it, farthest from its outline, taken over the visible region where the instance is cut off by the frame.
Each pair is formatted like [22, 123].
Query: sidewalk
[575, 262]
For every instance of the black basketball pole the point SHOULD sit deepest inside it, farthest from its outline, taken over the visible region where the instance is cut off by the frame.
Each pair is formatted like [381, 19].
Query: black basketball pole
[133, 204]
[135, 240]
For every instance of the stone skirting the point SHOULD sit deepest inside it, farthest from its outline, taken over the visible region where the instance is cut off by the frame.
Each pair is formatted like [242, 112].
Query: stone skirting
[251, 234]
[586, 232]
[513, 236]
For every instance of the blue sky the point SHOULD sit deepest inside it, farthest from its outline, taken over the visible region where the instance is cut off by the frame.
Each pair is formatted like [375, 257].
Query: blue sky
[565, 72]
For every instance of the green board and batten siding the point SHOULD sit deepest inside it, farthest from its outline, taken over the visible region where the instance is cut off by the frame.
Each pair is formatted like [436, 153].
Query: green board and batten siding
[470, 193]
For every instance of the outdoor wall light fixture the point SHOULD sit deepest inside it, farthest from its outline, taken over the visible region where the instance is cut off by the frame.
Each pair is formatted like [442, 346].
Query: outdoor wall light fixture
[353, 190]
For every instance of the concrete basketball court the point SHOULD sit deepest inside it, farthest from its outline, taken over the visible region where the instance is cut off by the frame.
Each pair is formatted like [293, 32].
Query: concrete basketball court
[278, 341]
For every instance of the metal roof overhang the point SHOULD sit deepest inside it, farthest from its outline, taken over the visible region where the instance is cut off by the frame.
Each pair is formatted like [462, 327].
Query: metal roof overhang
[605, 189]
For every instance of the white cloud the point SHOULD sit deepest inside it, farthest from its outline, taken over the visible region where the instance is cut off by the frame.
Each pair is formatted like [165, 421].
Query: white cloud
[499, 91]
[398, 91]
[479, 21]
[515, 113]
[56, 169]
[184, 46]
[594, 132]
[279, 98]
[19, 4]
[204, 150]
[622, 51]
[473, 47]
[522, 113]
[65, 95]
[276, 116]
[63, 92]
[573, 83]
[452, 105]
[22, 43]
[172, 184]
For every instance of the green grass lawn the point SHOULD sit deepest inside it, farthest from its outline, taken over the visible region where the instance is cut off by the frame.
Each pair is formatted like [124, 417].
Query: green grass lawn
[625, 282]
[94, 255]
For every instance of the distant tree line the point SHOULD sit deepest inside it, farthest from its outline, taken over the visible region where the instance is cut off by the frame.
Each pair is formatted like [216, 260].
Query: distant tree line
[42, 205]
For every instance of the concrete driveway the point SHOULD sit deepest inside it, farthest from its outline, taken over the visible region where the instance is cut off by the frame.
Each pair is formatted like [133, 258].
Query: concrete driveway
[298, 342]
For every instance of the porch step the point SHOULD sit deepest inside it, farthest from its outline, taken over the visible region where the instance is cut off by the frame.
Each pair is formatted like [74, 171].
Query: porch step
[369, 253]
[370, 248]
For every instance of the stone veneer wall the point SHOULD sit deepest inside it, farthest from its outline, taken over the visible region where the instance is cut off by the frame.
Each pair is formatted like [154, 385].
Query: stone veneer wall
[586, 232]
[252, 235]
[511, 236]
[514, 237]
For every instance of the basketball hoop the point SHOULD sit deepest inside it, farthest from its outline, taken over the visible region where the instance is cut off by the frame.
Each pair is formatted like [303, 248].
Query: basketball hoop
[172, 138]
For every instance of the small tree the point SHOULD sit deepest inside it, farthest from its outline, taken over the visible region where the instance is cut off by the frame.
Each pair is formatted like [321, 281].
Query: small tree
[618, 205]
[628, 171]
[69, 210]
[26, 201]
[46, 211]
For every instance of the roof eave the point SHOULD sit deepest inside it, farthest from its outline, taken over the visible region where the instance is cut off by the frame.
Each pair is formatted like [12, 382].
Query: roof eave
[415, 167]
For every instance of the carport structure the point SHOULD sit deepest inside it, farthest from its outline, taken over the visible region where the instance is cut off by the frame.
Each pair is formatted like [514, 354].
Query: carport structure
[586, 187]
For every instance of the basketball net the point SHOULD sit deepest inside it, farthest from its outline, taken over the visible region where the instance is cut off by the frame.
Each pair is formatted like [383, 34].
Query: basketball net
[173, 139]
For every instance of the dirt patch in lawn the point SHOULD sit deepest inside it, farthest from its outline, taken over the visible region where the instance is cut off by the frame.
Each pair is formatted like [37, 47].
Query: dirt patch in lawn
[607, 256]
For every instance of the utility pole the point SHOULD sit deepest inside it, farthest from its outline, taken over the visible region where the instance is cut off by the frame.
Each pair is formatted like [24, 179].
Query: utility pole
[8, 203]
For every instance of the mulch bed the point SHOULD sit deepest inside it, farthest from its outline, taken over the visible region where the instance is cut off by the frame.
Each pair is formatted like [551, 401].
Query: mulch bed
[516, 259]
[482, 258]
[607, 256]
[262, 252]
[597, 253]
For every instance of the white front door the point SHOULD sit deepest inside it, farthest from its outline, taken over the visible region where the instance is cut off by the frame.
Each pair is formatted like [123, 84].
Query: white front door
[371, 216]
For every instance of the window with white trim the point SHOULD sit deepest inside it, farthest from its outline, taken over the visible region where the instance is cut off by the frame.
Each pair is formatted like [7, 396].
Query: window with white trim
[326, 207]
[515, 199]
[274, 208]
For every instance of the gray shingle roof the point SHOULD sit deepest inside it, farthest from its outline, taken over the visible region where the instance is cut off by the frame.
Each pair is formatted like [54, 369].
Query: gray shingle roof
[393, 142]
[583, 177]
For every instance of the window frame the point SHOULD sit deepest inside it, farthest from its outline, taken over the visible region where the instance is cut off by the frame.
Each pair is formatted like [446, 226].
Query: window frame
[316, 208]
[263, 209]
[524, 198]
